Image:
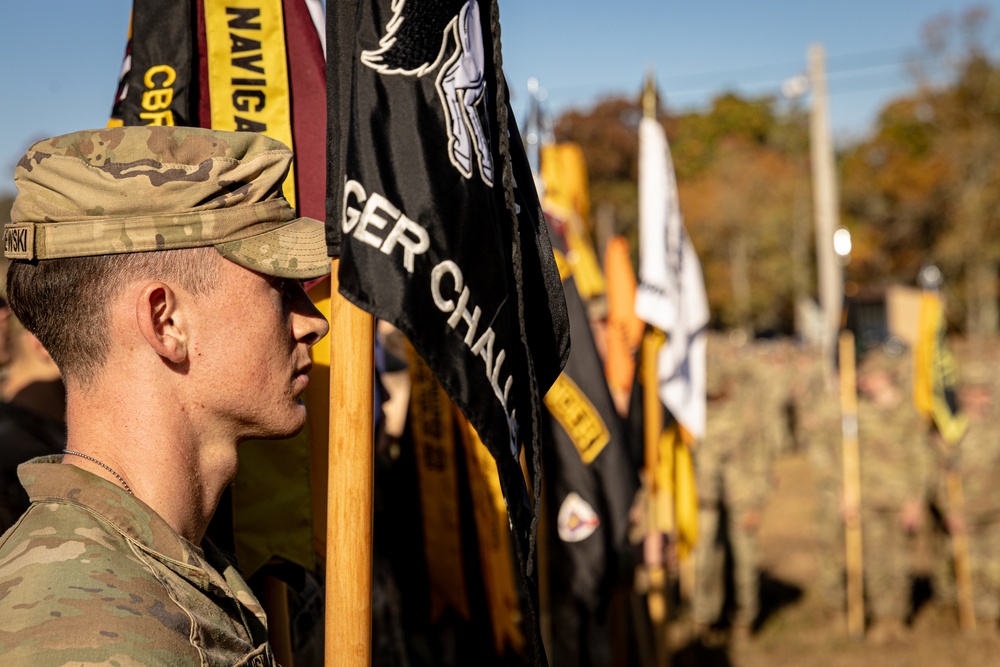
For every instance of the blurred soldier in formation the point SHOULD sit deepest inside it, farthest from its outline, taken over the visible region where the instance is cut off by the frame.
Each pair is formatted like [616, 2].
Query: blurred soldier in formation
[894, 468]
[733, 467]
[32, 406]
[978, 460]
[817, 434]
[773, 378]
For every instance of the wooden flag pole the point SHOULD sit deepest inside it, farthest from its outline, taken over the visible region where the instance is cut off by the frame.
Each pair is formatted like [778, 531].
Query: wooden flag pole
[659, 509]
[350, 485]
[656, 575]
[852, 488]
[960, 553]
[274, 599]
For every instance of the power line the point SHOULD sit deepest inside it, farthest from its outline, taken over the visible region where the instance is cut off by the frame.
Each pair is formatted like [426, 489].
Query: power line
[763, 86]
[844, 82]
[788, 66]
[846, 64]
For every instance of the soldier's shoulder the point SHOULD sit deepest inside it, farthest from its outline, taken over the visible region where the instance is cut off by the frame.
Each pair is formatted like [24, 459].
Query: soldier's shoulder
[71, 586]
[72, 528]
[60, 548]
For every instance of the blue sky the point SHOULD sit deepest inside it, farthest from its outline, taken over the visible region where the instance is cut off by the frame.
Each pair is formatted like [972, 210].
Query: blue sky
[61, 57]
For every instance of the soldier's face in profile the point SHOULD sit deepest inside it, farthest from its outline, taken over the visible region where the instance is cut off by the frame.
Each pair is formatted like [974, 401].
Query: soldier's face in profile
[251, 351]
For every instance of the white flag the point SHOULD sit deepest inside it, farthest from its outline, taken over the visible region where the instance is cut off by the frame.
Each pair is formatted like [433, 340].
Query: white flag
[671, 294]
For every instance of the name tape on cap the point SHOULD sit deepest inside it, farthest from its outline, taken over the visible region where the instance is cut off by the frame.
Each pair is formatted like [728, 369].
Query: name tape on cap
[19, 241]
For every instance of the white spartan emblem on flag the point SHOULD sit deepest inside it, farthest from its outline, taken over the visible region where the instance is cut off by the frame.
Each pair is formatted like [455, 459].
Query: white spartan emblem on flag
[409, 47]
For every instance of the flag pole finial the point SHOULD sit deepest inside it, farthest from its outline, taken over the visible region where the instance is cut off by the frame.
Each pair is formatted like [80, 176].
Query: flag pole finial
[649, 95]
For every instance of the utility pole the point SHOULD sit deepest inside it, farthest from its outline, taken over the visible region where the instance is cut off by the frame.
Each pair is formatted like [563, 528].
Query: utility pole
[825, 201]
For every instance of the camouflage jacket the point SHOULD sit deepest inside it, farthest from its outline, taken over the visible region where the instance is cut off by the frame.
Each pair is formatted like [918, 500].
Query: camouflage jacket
[733, 461]
[817, 422]
[92, 575]
[893, 448]
[979, 458]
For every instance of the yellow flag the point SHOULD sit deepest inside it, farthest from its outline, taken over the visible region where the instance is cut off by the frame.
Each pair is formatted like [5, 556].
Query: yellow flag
[935, 372]
[492, 526]
[248, 71]
[433, 432]
[564, 172]
[685, 498]
[567, 198]
[668, 463]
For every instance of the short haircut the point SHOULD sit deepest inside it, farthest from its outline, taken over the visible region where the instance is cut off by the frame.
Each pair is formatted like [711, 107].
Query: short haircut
[64, 302]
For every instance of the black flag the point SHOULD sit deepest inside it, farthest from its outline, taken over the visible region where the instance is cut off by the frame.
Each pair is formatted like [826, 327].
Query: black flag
[590, 484]
[436, 219]
[158, 83]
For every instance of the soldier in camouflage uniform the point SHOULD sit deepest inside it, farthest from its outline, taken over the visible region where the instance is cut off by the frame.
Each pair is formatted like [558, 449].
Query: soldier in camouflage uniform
[978, 463]
[894, 460]
[159, 266]
[817, 428]
[773, 375]
[733, 468]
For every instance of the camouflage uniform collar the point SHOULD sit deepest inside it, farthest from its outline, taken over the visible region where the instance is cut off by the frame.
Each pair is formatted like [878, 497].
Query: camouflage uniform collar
[47, 480]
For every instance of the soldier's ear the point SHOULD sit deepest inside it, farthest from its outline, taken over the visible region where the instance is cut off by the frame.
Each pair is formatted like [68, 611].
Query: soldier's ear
[161, 322]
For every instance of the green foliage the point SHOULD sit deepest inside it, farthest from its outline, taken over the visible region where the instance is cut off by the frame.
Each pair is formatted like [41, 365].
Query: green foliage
[731, 119]
[902, 126]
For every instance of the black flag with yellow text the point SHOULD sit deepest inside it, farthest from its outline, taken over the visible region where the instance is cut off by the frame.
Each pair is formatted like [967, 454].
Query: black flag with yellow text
[590, 484]
[158, 84]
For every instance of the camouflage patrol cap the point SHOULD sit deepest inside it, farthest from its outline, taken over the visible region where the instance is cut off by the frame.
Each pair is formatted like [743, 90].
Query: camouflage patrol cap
[141, 188]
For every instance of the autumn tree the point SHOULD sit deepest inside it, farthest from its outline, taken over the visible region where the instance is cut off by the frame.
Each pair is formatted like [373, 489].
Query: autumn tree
[609, 137]
[739, 171]
[926, 186]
